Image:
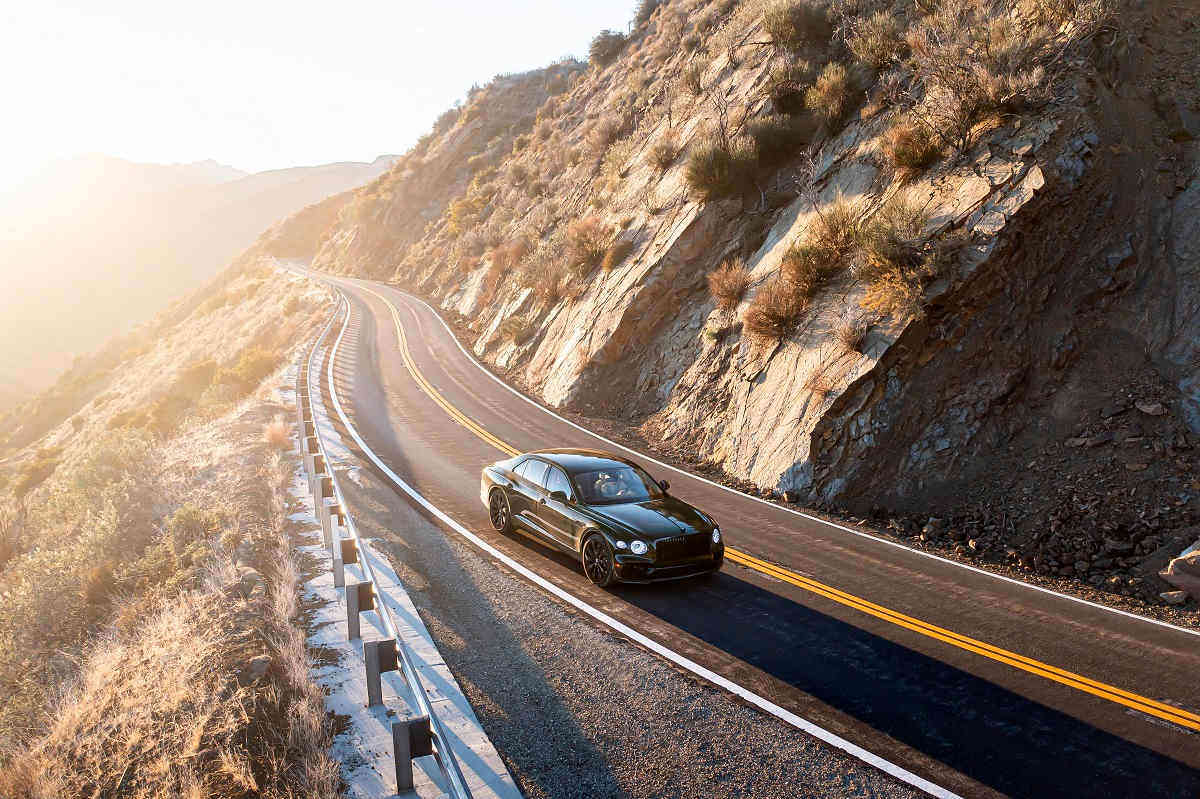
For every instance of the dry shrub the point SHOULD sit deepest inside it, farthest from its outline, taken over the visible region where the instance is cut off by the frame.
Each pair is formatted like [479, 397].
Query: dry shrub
[787, 83]
[775, 310]
[832, 94]
[876, 40]
[588, 240]
[605, 132]
[807, 265]
[975, 59]
[909, 148]
[894, 258]
[818, 383]
[664, 152]
[810, 262]
[276, 433]
[617, 253]
[508, 255]
[517, 330]
[851, 333]
[716, 169]
[795, 25]
[606, 46]
[543, 272]
[727, 283]
[693, 78]
[778, 138]
[644, 10]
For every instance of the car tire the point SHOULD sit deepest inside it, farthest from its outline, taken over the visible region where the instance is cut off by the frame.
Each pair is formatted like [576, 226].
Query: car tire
[500, 512]
[599, 566]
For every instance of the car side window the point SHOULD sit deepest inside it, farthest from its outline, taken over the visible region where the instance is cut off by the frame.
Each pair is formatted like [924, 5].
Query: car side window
[534, 471]
[557, 481]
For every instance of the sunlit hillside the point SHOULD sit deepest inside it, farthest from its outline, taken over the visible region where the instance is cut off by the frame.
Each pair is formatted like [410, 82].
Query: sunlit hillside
[106, 243]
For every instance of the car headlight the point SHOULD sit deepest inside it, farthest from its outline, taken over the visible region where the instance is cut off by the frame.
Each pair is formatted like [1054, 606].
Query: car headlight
[639, 548]
[622, 545]
[716, 535]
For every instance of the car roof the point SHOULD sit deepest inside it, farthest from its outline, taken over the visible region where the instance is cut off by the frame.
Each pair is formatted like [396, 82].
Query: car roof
[576, 461]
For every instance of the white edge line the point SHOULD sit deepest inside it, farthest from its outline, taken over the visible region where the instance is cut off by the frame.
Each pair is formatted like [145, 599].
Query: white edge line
[801, 514]
[744, 693]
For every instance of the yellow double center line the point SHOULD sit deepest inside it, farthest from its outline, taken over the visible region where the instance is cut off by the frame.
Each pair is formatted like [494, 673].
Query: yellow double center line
[1143, 704]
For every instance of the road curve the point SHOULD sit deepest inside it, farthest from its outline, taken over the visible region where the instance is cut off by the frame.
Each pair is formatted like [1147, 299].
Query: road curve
[982, 685]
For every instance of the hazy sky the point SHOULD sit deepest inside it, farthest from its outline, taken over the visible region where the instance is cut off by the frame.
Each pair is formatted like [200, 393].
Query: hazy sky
[260, 84]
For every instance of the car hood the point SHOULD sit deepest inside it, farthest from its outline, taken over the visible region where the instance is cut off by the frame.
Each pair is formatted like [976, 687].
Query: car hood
[656, 518]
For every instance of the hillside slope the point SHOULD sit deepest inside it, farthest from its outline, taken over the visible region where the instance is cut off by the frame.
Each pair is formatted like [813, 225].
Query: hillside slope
[903, 258]
[106, 243]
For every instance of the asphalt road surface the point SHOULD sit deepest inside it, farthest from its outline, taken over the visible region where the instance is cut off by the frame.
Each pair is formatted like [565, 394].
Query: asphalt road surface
[982, 685]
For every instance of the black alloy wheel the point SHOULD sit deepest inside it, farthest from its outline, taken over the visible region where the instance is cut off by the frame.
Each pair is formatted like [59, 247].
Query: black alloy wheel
[598, 561]
[500, 512]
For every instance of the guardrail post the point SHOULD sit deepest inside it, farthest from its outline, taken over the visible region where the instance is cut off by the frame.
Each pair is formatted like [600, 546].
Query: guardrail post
[324, 493]
[312, 448]
[318, 469]
[359, 597]
[410, 738]
[338, 528]
[380, 656]
[330, 534]
[348, 550]
[339, 573]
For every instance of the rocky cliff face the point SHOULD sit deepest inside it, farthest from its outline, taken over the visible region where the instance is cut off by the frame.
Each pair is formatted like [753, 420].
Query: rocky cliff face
[1045, 290]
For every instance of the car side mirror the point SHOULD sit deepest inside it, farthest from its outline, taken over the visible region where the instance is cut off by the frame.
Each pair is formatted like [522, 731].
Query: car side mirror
[664, 485]
[559, 496]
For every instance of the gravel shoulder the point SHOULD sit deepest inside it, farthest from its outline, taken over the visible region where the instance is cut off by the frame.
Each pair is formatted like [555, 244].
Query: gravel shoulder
[576, 711]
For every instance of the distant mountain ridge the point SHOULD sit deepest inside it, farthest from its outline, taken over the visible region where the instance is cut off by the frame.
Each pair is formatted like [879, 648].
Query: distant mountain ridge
[106, 243]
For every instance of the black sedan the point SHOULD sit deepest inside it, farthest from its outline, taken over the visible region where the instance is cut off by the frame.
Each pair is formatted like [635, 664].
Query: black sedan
[622, 524]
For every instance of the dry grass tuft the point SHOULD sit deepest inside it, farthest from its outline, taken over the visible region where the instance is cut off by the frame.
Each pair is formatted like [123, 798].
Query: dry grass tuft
[832, 94]
[910, 149]
[616, 253]
[778, 138]
[728, 283]
[277, 434]
[693, 78]
[895, 260]
[517, 330]
[716, 170]
[851, 333]
[664, 152]
[775, 311]
[794, 24]
[876, 40]
[588, 239]
[607, 131]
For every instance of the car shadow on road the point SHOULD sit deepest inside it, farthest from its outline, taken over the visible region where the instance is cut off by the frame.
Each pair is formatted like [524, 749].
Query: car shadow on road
[1008, 742]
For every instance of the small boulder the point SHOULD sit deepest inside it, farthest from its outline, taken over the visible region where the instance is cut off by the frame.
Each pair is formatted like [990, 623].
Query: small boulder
[1174, 597]
[1151, 408]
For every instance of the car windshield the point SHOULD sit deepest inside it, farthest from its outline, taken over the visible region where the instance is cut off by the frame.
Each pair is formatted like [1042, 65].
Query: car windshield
[614, 484]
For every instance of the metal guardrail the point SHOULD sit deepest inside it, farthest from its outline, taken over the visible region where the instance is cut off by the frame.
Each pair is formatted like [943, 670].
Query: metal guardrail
[423, 735]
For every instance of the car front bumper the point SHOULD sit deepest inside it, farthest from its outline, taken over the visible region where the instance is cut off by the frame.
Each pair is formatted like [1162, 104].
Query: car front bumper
[634, 569]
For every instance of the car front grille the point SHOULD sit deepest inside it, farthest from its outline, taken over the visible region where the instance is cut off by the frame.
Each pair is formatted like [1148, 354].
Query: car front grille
[681, 547]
